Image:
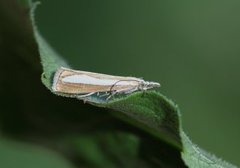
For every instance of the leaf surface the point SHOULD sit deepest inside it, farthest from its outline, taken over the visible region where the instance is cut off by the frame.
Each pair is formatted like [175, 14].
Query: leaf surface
[135, 130]
[152, 113]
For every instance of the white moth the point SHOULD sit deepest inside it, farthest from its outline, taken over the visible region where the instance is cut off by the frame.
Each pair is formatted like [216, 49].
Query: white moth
[84, 83]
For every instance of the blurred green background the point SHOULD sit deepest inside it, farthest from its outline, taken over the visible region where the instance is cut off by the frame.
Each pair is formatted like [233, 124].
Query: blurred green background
[191, 47]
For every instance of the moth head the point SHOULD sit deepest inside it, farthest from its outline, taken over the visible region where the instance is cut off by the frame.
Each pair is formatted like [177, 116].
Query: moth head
[145, 85]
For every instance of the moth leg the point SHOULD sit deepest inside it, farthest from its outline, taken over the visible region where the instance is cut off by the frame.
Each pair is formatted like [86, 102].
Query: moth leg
[143, 93]
[111, 94]
[81, 97]
[86, 95]
[105, 94]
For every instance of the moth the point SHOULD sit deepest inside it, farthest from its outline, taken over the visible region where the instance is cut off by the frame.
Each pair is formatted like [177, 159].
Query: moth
[84, 84]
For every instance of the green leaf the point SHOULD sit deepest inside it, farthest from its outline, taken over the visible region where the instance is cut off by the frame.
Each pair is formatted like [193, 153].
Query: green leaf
[50, 64]
[137, 130]
[198, 158]
[152, 114]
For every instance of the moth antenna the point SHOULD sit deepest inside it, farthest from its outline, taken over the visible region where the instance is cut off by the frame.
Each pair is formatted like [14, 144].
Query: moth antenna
[111, 89]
